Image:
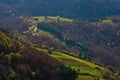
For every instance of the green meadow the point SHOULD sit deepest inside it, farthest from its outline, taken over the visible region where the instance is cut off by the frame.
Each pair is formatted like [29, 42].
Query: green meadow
[40, 19]
[86, 70]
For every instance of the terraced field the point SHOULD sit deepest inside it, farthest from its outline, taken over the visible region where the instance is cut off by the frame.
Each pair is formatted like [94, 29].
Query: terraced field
[84, 69]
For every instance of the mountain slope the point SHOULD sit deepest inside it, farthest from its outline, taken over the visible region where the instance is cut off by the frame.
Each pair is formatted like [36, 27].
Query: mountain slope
[21, 56]
[99, 40]
[21, 61]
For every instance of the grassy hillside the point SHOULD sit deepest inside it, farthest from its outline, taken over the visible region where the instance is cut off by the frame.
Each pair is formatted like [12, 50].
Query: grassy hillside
[82, 67]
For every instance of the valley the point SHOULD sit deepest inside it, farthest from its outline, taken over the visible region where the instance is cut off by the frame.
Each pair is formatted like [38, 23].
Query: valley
[48, 30]
[59, 40]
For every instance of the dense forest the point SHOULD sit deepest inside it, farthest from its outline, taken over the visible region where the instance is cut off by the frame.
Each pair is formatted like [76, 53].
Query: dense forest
[20, 61]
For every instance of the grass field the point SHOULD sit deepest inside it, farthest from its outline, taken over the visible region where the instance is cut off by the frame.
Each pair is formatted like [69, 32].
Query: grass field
[85, 78]
[45, 33]
[86, 69]
[40, 19]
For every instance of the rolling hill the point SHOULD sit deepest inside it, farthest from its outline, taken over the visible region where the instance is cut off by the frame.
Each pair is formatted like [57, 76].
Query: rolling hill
[59, 40]
[26, 61]
[51, 56]
[98, 40]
